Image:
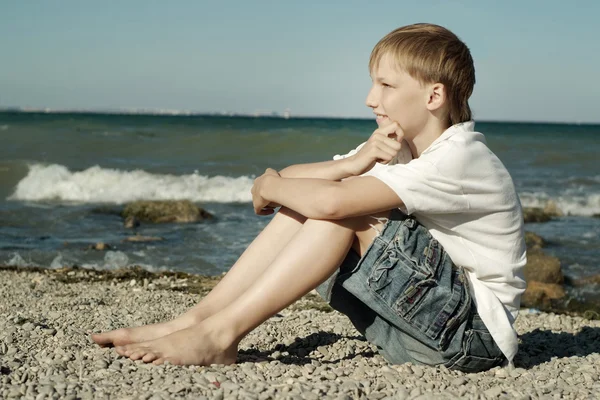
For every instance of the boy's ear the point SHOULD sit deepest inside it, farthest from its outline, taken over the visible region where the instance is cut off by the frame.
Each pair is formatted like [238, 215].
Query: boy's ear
[437, 96]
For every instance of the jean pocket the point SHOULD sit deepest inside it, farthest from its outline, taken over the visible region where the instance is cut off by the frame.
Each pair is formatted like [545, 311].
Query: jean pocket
[433, 306]
[479, 353]
[391, 275]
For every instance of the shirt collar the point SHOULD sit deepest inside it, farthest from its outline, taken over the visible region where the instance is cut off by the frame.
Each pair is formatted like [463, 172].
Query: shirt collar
[467, 126]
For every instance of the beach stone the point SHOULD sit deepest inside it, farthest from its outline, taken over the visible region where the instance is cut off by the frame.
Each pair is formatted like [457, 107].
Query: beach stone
[461, 380]
[494, 392]
[179, 211]
[559, 352]
[100, 246]
[141, 239]
[131, 222]
[533, 241]
[417, 371]
[588, 280]
[543, 268]
[538, 295]
[552, 209]
[535, 214]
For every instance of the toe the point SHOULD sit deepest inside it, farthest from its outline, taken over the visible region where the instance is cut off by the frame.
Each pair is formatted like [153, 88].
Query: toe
[130, 350]
[158, 361]
[136, 355]
[120, 350]
[150, 357]
[103, 339]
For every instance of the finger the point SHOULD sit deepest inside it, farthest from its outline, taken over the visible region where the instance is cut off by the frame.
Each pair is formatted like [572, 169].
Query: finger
[386, 142]
[388, 129]
[266, 211]
[391, 142]
[385, 153]
[393, 131]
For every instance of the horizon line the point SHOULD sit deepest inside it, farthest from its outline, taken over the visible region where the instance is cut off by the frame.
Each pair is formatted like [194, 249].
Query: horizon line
[231, 114]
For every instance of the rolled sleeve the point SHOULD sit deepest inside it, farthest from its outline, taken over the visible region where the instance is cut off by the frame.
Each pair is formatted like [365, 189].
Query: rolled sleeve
[422, 188]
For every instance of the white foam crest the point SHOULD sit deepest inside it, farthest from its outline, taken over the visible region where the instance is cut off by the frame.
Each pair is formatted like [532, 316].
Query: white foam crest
[103, 185]
[18, 261]
[570, 204]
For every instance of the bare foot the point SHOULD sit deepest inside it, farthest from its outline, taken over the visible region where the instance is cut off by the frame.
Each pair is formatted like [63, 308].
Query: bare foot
[120, 337]
[195, 345]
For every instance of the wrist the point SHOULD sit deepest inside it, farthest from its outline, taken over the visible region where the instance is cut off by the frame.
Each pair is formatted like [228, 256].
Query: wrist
[348, 167]
[266, 187]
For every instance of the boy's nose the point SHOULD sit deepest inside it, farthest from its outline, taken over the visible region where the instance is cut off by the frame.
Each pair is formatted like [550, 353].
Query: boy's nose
[371, 100]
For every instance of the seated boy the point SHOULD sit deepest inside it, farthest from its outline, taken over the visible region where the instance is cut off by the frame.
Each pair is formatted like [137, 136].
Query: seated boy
[435, 281]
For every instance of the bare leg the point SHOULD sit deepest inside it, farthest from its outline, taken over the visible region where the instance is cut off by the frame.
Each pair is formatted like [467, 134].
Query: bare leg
[308, 259]
[251, 264]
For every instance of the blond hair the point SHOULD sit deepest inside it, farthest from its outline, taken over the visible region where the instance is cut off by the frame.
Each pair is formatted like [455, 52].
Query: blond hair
[432, 54]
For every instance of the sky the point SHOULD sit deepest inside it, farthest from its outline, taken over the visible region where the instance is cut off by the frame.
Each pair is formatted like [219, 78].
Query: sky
[534, 60]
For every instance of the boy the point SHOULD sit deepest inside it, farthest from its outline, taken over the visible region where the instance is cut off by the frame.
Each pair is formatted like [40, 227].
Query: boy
[437, 280]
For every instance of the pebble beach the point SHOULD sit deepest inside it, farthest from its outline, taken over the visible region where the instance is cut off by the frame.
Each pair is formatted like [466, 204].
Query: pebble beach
[307, 351]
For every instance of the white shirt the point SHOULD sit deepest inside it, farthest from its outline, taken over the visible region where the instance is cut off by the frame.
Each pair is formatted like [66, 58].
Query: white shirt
[462, 193]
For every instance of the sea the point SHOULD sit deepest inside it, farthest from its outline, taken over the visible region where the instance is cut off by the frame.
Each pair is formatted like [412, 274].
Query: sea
[65, 177]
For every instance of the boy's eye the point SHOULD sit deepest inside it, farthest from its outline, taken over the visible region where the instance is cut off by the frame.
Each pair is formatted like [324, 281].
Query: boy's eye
[385, 85]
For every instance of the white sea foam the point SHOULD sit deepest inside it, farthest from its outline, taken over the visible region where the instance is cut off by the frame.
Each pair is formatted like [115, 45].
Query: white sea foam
[57, 262]
[17, 261]
[569, 203]
[103, 185]
[115, 260]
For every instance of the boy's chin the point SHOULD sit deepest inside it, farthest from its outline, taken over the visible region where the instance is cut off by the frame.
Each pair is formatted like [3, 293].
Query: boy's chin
[383, 122]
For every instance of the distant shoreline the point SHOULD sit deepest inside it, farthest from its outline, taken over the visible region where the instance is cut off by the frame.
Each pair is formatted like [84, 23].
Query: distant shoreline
[274, 115]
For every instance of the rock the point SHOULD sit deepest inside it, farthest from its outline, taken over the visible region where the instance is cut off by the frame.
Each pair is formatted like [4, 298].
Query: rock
[533, 241]
[535, 214]
[543, 268]
[493, 392]
[131, 222]
[100, 246]
[552, 209]
[539, 295]
[140, 238]
[588, 280]
[182, 211]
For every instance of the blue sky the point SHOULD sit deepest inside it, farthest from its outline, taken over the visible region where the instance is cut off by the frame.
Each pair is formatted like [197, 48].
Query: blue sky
[535, 60]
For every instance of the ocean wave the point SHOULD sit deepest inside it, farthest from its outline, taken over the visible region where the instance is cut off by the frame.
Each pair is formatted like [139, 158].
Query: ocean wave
[102, 185]
[113, 260]
[581, 181]
[569, 203]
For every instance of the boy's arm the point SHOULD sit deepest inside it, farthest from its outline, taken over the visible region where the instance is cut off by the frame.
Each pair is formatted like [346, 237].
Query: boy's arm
[382, 146]
[324, 199]
[334, 170]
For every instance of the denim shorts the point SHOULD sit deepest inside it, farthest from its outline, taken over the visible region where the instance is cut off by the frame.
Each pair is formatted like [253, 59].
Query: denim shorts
[406, 296]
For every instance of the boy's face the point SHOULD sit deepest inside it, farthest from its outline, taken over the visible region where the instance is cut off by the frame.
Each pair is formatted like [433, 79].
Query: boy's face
[397, 97]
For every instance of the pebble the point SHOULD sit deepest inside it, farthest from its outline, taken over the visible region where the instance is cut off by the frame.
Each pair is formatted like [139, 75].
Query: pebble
[46, 353]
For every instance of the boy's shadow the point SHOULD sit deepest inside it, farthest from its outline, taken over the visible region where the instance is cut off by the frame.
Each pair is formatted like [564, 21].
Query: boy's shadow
[536, 347]
[299, 351]
[539, 346]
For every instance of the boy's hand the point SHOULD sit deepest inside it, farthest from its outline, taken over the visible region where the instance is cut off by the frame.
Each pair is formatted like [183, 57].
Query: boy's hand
[261, 205]
[382, 146]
